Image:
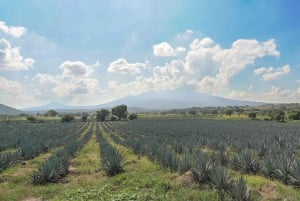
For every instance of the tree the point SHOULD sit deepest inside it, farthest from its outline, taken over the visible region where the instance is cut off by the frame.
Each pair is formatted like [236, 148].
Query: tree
[31, 118]
[192, 112]
[102, 114]
[51, 113]
[84, 117]
[277, 115]
[67, 118]
[120, 111]
[132, 116]
[252, 115]
[294, 115]
[229, 112]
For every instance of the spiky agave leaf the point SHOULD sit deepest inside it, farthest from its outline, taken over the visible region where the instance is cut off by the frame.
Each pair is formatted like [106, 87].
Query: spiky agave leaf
[240, 191]
[202, 167]
[248, 161]
[185, 163]
[220, 179]
[113, 161]
[270, 166]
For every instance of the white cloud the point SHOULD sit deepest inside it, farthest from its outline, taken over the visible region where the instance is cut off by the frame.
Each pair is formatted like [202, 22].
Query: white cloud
[272, 73]
[122, 66]
[275, 94]
[11, 59]
[214, 67]
[74, 85]
[14, 94]
[186, 35]
[76, 68]
[164, 77]
[163, 49]
[12, 30]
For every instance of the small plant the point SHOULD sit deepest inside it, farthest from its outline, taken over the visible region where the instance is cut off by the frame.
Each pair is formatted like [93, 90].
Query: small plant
[202, 167]
[7, 159]
[113, 161]
[240, 191]
[52, 170]
[270, 166]
[185, 163]
[249, 162]
[221, 180]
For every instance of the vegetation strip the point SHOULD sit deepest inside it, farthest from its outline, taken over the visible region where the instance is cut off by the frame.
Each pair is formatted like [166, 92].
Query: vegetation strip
[57, 165]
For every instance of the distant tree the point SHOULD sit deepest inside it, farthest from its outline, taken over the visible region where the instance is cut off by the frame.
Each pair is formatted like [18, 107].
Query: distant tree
[229, 112]
[67, 118]
[102, 114]
[192, 112]
[114, 118]
[132, 116]
[31, 118]
[277, 115]
[120, 111]
[214, 112]
[252, 115]
[84, 117]
[294, 115]
[51, 113]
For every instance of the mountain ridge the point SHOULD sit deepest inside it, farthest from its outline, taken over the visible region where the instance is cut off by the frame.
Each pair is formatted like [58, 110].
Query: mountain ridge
[7, 110]
[155, 100]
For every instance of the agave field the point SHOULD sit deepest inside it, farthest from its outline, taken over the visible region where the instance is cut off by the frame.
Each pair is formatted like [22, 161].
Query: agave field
[150, 159]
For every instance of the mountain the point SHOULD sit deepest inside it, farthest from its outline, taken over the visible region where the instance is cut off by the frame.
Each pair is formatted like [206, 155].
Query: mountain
[43, 108]
[6, 110]
[153, 101]
[176, 99]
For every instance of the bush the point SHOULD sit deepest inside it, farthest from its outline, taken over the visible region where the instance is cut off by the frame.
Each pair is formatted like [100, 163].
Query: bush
[67, 118]
[114, 118]
[31, 118]
[113, 161]
[252, 115]
[132, 116]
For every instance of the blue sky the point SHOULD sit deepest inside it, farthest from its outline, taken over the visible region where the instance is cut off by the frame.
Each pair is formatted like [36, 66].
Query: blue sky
[91, 52]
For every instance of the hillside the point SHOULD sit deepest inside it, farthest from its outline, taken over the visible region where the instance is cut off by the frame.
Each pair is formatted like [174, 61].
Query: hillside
[6, 110]
[153, 100]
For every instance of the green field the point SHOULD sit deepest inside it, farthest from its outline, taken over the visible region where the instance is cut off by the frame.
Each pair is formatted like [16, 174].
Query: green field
[149, 159]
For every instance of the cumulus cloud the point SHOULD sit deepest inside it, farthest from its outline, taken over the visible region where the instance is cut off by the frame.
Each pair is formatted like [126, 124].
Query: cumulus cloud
[275, 94]
[164, 49]
[74, 85]
[214, 66]
[76, 68]
[164, 77]
[272, 73]
[11, 59]
[14, 94]
[186, 35]
[12, 30]
[122, 66]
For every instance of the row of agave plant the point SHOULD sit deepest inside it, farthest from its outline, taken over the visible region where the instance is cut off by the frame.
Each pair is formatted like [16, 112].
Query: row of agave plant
[113, 161]
[31, 144]
[56, 166]
[205, 169]
[264, 153]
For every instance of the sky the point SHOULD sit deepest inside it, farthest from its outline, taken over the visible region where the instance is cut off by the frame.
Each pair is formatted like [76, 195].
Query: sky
[78, 52]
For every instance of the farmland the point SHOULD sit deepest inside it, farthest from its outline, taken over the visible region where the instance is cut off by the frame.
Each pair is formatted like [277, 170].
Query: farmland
[150, 159]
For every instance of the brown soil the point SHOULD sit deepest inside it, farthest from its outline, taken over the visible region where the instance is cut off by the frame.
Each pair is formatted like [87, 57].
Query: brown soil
[186, 179]
[269, 191]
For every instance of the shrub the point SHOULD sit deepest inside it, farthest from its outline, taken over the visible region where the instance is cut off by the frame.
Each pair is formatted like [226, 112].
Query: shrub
[113, 161]
[240, 191]
[67, 118]
[132, 116]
